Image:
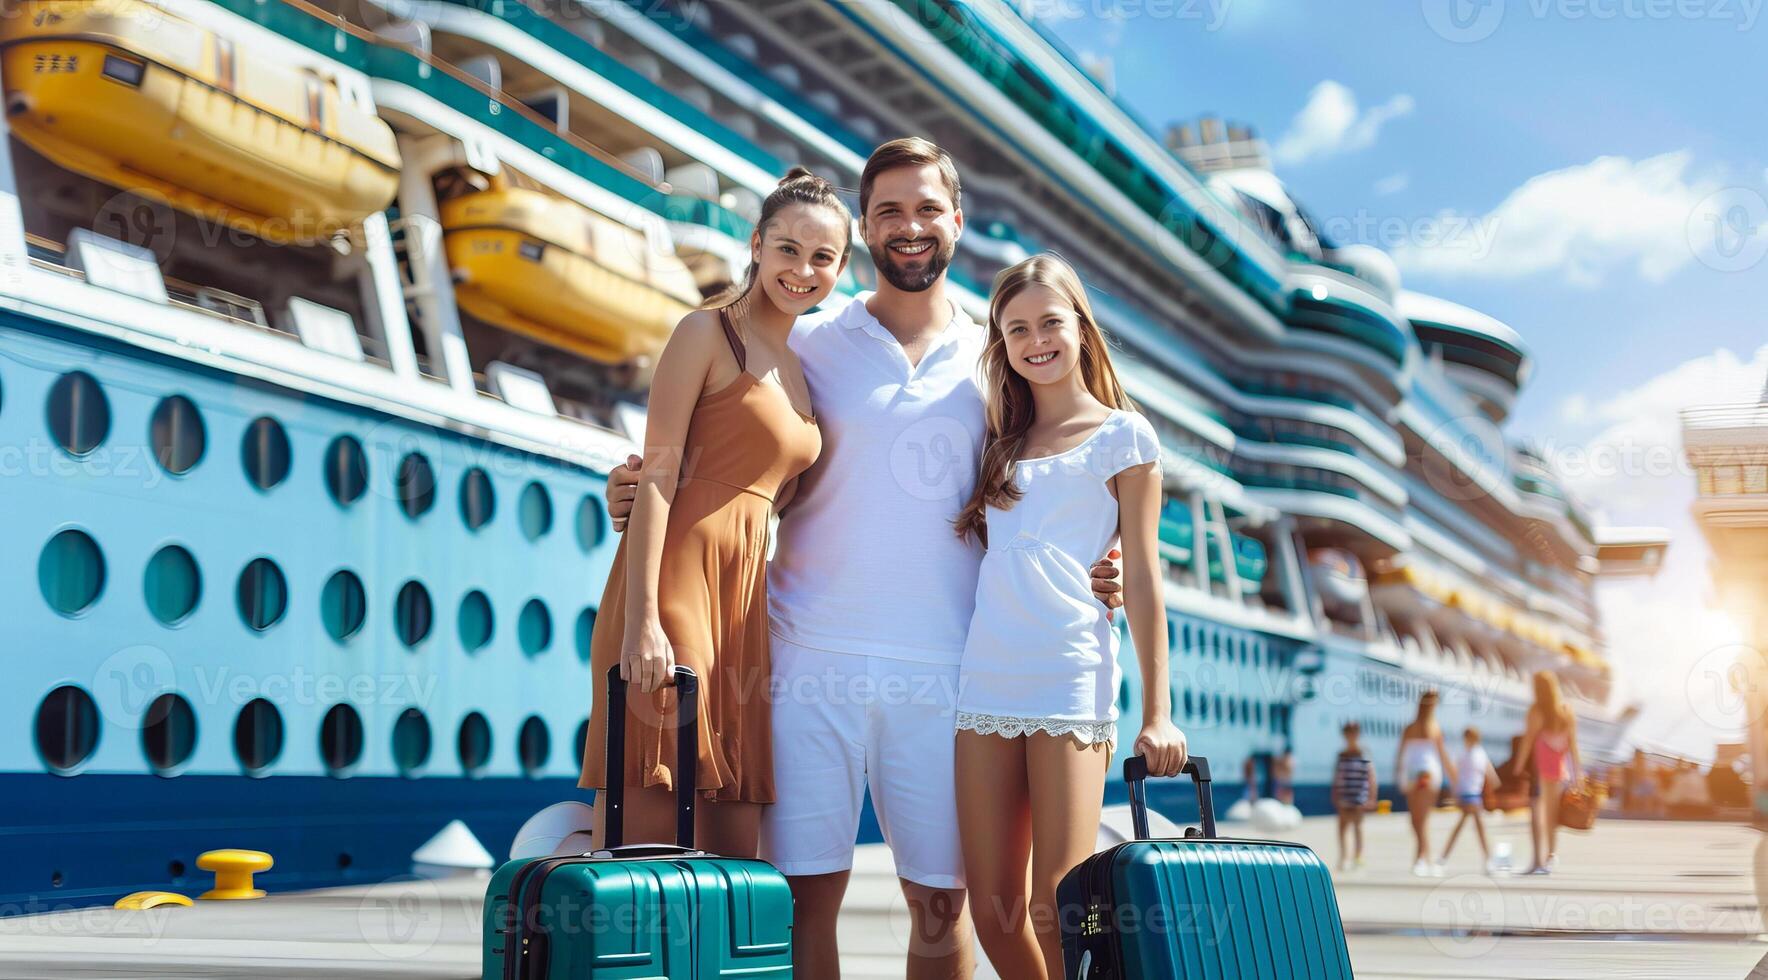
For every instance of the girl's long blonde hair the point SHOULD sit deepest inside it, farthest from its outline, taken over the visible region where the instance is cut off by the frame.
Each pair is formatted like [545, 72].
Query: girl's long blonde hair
[1556, 715]
[1009, 405]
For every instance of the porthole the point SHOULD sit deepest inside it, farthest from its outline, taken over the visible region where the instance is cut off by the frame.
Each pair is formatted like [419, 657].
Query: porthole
[263, 594]
[71, 572]
[343, 606]
[79, 416]
[346, 470]
[67, 729]
[340, 739]
[535, 511]
[168, 733]
[415, 485]
[1188, 705]
[585, 632]
[478, 499]
[172, 584]
[533, 745]
[411, 741]
[582, 742]
[592, 523]
[177, 434]
[413, 614]
[474, 743]
[265, 450]
[534, 627]
[257, 735]
[475, 621]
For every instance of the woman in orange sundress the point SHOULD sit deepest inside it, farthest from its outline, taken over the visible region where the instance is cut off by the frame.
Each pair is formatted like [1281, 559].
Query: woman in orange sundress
[728, 432]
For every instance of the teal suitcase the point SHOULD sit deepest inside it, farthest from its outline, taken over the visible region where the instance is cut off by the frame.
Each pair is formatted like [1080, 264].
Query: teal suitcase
[652, 911]
[1201, 906]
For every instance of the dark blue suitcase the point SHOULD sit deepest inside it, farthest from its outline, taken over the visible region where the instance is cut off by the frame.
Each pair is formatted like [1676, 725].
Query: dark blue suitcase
[642, 911]
[1202, 906]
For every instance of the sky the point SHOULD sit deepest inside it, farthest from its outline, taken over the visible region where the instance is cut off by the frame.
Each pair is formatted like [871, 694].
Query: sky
[1594, 173]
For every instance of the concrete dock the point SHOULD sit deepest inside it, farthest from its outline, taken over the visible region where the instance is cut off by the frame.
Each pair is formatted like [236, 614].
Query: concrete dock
[1630, 899]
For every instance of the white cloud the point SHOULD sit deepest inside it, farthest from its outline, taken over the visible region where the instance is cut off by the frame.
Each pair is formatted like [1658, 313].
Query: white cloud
[1393, 184]
[1332, 123]
[1632, 467]
[1648, 218]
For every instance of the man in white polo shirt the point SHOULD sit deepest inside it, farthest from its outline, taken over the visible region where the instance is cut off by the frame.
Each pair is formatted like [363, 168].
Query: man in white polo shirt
[870, 590]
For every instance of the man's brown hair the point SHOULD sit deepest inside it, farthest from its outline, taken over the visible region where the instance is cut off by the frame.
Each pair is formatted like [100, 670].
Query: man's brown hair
[909, 151]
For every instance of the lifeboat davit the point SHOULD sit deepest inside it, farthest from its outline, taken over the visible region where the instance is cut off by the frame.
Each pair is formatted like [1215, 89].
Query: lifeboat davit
[131, 95]
[556, 271]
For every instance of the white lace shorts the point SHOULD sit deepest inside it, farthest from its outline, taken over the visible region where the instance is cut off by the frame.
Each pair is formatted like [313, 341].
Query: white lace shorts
[1084, 732]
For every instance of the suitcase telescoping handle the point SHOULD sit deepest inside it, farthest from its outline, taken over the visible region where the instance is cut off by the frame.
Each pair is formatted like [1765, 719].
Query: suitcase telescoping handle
[1135, 775]
[687, 757]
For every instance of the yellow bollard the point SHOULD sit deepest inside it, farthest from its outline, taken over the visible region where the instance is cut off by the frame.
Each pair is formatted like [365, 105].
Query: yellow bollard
[1384, 806]
[152, 900]
[233, 873]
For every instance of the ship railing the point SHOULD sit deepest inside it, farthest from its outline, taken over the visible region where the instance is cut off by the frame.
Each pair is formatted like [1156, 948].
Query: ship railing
[1734, 416]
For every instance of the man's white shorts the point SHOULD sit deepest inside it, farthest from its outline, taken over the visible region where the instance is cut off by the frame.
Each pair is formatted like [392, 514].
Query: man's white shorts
[843, 722]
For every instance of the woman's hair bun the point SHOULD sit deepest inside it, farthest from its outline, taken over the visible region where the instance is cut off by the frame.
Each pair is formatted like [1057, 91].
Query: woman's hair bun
[797, 173]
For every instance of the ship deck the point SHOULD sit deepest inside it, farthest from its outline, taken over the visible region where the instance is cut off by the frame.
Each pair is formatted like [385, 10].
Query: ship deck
[1632, 899]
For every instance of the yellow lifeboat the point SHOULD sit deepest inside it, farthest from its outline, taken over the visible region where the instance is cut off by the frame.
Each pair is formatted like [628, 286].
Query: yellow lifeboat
[128, 94]
[556, 271]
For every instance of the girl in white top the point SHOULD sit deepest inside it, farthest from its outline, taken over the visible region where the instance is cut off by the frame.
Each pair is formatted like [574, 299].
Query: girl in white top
[1068, 467]
[1422, 762]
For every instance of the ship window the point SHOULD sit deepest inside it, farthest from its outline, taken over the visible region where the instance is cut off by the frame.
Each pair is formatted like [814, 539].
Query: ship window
[168, 733]
[123, 70]
[263, 595]
[172, 584]
[340, 739]
[1202, 707]
[590, 524]
[266, 452]
[1189, 707]
[532, 250]
[79, 416]
[346, 470]
[257, 735]
[582, 741]
[413, 613]
[478, 500]
[1172, 634]
[536, 511]
[343, 606]
[71, 572]
[415, 485]
[475, 621]
[585, 631]
[67, 728]
[474, 743]
[1233, 712]
[177, 434]
[534, 627]
[411, 741]
[534, 745]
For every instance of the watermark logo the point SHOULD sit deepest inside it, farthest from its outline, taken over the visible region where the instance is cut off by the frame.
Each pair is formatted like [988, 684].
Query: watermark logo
[1728, 230]
[1464, 21]
[933, 458]
[1462, 916]
[401, 918]
[1726, 687]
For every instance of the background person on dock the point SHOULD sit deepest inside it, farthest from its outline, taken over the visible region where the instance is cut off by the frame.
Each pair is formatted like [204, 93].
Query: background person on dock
[1551, 737]
[1353, 790]
[1422, 763]
[1474, 773]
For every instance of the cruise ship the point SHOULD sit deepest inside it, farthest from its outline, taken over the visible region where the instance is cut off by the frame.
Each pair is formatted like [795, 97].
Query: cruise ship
[322, 321]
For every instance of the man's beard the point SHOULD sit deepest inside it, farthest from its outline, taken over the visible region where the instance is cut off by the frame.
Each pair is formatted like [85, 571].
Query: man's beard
[914, 280]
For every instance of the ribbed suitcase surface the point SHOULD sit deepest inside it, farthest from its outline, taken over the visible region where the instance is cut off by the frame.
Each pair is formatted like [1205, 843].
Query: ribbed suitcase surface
[1201, 907]
[643, 911]
[676, 917]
